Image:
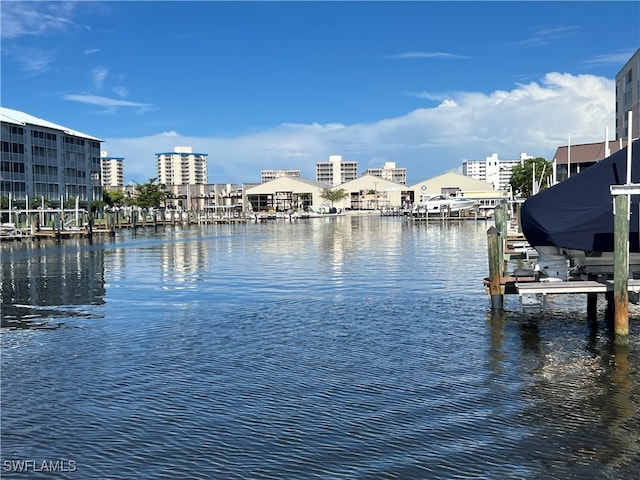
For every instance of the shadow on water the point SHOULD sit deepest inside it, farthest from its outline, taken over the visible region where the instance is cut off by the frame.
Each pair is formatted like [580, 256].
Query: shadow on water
[580, 395]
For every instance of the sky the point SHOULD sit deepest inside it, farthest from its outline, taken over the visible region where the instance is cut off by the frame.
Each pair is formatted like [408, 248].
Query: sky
[283, 85]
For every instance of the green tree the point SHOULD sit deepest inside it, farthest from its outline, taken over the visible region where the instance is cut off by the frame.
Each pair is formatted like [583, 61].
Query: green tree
[149, 195]
[4, 201]
[333, 196]
[522, 176]
[114, 197]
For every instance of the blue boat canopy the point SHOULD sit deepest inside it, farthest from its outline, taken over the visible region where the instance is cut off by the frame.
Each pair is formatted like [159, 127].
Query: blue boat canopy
[578, 212]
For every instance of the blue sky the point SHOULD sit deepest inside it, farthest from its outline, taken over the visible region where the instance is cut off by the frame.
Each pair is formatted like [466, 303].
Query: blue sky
[267, 85]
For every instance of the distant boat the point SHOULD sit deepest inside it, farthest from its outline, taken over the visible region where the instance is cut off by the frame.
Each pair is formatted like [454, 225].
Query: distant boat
[571, 224]
[323, 211]
[440, 203]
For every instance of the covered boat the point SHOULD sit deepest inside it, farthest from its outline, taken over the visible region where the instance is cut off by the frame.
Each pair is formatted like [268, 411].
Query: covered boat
[578, 212]
[572, 223]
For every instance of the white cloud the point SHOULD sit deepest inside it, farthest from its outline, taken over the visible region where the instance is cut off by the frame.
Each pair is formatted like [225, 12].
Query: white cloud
[103, 101]
[546, 35]
[35, 18]
[91, 51]
[33, 61]
[615, 58]
[120, 91]
[98, 75]
[535, 118]
[427, 55]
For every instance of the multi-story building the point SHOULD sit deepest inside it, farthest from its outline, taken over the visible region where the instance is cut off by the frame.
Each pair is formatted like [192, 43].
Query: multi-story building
[112, 171]
[628, 98]
[268, 175]
[336, 171]
[492, 170]
[181, 167]
[43, 159]
[389, 172]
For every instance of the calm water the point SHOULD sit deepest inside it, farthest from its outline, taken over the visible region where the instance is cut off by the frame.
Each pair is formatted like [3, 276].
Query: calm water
[344, 348]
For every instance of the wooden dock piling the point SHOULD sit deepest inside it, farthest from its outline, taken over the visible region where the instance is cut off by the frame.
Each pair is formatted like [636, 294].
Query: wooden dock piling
[621, 267]
[494, 243]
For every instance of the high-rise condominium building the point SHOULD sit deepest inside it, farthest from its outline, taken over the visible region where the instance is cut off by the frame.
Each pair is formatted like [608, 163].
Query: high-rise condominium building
[181, 167]
[389, 172]
[112, 171]
[336, 171]
[41, 158]
[268, 175]
[493, 170]
[628, 98]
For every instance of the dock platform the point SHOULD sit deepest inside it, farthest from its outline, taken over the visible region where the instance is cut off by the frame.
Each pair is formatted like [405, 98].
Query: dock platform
[532, 293]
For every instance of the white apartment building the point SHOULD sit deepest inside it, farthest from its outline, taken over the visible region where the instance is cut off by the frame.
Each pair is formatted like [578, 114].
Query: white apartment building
[112, 171]
[268, 175]
[336, 171]
[389, 172]
[628, 98]
[181, 167]
[41, 158]
[492, 170]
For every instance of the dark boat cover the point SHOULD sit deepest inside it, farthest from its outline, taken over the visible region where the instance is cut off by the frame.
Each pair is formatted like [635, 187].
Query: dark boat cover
[578, 212]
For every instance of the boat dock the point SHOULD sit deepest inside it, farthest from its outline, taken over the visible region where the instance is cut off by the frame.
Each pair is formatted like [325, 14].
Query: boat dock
[532, 292]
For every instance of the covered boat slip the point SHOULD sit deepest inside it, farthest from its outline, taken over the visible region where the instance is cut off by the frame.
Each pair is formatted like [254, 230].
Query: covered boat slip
[586, 230]
[577, 213]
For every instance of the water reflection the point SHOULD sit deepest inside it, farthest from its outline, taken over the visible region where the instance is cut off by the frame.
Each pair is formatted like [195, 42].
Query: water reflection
[578, 393]
[47, 280]
[347, 348]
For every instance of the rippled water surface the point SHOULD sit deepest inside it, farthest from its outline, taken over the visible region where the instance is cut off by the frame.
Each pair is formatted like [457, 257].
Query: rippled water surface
[342, 348]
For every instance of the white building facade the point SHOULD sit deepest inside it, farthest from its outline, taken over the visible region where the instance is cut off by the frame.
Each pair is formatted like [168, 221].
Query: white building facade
[181, 167]
[389, 172]
[336, 171]
[493, 170]
[43, 159]
[268, 175]
[112, 171]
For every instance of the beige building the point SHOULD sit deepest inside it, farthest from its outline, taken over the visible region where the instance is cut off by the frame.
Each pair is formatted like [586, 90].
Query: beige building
[287, 194]
[336, 171]
[389, 172]
[628, 98]
[181, 167]
[458, 185]
[370, 193]
[284, 194]
[268, 175]
[198, 197]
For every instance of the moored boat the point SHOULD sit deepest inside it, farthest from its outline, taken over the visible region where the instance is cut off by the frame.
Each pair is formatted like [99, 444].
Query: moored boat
[440, 203]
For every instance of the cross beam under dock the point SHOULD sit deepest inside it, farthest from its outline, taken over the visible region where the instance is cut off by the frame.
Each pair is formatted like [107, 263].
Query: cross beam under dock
[578, 286]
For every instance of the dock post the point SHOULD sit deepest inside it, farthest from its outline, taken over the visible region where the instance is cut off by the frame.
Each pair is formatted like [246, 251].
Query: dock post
[592, 306]
[621, 268]
[495, 265]
[501, 224]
